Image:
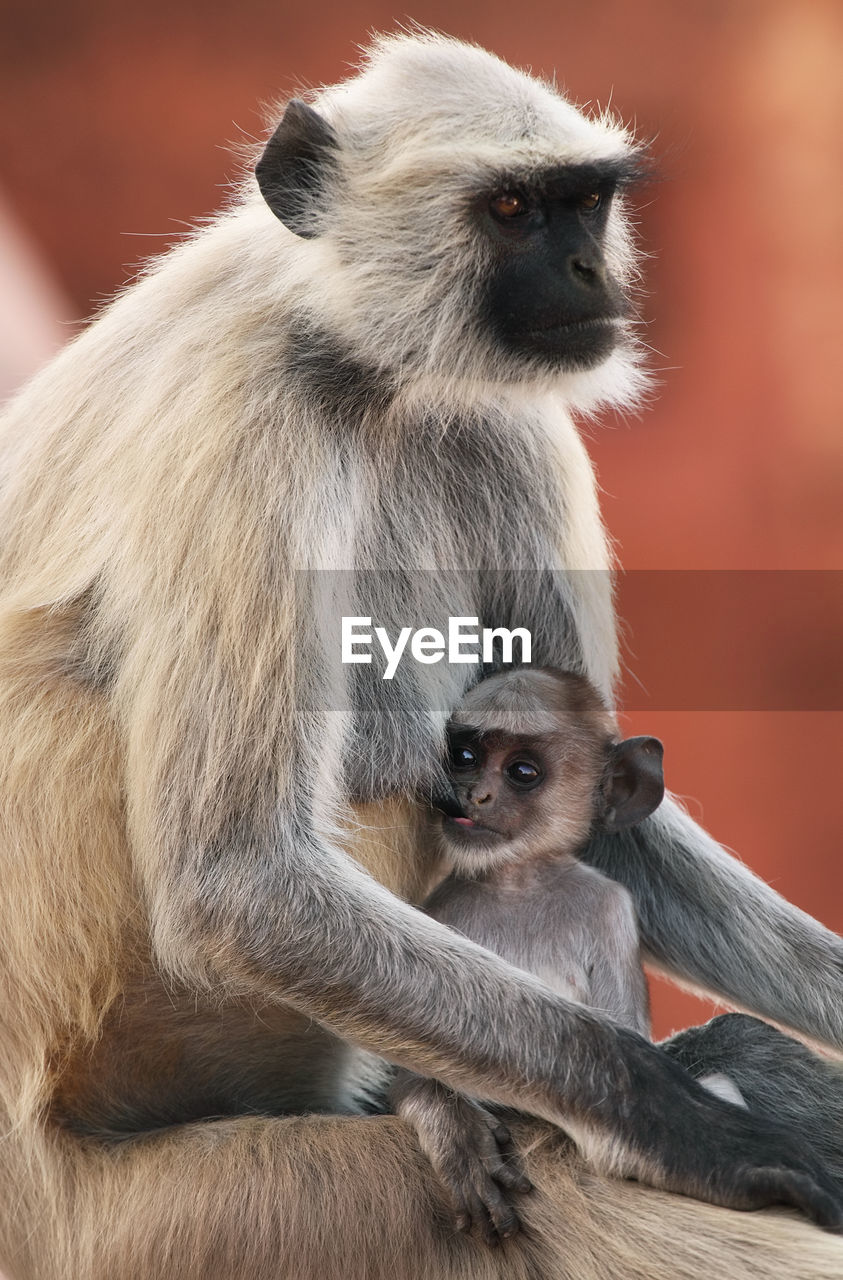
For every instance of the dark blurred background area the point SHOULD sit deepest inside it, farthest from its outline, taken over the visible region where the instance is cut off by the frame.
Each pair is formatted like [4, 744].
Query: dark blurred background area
[115, 120]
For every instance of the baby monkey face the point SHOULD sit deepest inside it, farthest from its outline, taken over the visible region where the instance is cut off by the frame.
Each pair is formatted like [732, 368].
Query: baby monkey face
[501, 782]
[536, 761]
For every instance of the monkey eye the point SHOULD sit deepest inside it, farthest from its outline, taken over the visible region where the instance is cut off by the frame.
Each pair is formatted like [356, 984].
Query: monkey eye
[591, 202]
[509, 205]
[523, 774]
[463, 758]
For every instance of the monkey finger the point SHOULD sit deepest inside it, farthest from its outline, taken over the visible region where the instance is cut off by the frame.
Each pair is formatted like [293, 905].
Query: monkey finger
[497, 1208]
[511, 1177]
[821, 1203]
[488, 1230]
[472, 1215]
[480, 1205]
[509, 1169]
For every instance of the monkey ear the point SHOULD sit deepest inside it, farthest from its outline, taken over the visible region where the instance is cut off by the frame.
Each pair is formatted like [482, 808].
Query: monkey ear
[295, 169]
[633, 786]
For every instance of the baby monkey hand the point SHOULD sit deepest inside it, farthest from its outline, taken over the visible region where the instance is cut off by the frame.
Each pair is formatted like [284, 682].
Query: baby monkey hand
[470, 1149]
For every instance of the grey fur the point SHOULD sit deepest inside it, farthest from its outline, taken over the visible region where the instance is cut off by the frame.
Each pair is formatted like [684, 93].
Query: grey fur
[566, 923]
[174, 484]
[775, 1075]
[576, 931]
[707, 919]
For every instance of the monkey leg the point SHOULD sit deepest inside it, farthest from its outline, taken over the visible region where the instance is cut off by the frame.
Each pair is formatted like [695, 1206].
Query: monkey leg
[331, 1198]
[778, 1077]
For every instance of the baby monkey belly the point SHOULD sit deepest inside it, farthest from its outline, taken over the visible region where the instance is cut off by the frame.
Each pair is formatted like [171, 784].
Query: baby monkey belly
[563, 921]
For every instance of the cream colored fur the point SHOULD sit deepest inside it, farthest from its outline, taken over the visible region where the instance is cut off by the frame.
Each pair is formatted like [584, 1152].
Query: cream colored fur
[149, 620]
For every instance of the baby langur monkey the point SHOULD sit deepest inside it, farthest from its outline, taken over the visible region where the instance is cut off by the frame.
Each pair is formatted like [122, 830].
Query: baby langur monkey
[537, 762]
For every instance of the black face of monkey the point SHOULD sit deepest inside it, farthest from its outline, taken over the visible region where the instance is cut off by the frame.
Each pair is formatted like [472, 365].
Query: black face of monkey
[545, 289]
[550, 293]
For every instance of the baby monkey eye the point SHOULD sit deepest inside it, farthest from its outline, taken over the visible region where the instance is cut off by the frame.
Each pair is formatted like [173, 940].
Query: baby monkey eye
[523, 773]
[463, 758]
[508, 205]
[592, 201]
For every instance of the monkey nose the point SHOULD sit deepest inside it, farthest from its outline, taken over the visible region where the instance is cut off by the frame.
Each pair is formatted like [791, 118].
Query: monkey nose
[482, 797]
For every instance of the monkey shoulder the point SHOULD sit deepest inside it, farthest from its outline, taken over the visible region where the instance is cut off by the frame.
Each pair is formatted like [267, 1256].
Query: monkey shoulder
[545, 880]
[598, 892]
[569, 899]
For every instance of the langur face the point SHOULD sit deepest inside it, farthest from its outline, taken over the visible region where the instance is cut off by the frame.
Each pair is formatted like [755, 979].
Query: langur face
[550, 293]
[501, 783]
[524, 794]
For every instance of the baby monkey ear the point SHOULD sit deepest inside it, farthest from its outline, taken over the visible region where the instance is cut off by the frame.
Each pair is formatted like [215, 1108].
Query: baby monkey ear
[633, 785]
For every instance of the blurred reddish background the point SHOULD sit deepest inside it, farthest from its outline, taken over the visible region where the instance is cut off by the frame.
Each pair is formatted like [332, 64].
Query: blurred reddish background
[113, 124]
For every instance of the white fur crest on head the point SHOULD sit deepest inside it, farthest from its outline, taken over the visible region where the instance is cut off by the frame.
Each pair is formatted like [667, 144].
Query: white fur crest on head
[425, 82]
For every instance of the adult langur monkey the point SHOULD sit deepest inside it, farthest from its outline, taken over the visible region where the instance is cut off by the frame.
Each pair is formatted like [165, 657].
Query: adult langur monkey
[369, 362]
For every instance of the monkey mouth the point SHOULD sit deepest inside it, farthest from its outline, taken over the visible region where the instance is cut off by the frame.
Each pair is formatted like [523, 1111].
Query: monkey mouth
[566, 328]
[469, 828]
[574, 344]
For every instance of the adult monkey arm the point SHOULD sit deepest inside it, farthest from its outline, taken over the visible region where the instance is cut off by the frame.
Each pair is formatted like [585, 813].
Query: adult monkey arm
[247, 892]
[380, 974]
[706, 918]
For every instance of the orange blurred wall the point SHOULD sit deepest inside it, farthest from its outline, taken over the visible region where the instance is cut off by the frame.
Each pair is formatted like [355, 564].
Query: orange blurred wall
[112, 121]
